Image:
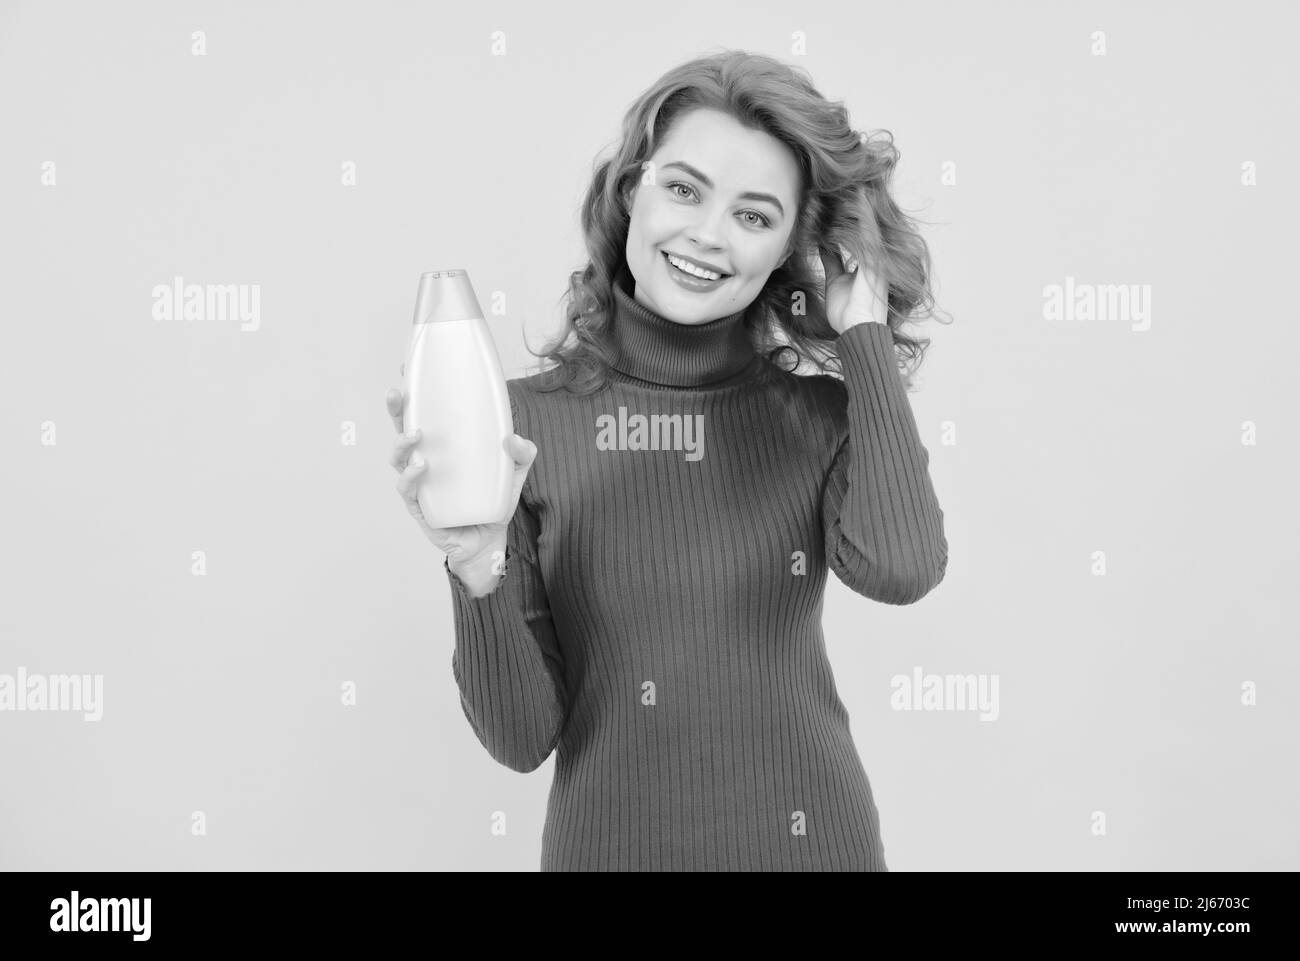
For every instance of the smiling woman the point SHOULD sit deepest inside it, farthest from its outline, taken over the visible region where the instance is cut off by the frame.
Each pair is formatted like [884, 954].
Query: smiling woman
[681, 231]
[735, 163]
[660, 626]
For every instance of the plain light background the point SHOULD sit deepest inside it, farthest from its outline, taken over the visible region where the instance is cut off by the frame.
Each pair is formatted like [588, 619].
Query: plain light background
[1049, 440]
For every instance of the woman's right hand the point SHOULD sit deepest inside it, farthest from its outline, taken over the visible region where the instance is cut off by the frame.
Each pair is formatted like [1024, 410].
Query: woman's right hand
[462, 544]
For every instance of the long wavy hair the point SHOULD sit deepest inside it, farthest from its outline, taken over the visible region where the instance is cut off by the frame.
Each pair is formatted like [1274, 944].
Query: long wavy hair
[844, 203]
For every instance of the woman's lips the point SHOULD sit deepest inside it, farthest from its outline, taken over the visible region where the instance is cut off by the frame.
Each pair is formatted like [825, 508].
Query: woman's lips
[690, 281]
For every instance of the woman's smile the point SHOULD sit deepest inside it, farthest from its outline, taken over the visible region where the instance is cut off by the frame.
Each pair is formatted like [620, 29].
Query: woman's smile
[694, 282]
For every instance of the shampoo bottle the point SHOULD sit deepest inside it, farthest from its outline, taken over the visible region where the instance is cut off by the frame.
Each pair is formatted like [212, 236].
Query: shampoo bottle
[456, 396]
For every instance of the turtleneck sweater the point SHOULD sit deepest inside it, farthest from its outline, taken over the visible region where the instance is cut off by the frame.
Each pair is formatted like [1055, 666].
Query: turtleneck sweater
[659, 625]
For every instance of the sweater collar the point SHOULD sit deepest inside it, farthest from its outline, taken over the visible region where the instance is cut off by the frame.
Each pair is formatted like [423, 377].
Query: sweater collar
[660, 351]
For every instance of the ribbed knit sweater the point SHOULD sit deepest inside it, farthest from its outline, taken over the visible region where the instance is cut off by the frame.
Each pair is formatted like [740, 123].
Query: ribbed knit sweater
[659, 624]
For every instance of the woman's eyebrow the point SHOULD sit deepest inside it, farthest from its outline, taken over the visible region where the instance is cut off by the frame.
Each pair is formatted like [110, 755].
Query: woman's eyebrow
[748, 195]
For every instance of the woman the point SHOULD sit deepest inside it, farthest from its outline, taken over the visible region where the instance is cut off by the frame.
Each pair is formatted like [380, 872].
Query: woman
[651, 608]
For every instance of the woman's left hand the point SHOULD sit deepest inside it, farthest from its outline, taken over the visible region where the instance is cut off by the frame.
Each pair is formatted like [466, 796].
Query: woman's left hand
[856, 297]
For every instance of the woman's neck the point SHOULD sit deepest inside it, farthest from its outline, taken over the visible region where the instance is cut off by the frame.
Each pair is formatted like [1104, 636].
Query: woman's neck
[659, 351]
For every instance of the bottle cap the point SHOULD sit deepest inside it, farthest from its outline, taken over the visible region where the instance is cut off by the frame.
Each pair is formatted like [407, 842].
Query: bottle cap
[445, 295]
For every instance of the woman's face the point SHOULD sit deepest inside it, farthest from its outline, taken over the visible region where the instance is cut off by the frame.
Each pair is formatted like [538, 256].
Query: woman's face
[720, 194]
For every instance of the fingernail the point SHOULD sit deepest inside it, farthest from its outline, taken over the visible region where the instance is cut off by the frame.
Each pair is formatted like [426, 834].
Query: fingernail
[412, 434]
[416, 462]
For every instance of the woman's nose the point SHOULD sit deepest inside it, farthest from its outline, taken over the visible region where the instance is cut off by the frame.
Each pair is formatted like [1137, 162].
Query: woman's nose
[705, 231]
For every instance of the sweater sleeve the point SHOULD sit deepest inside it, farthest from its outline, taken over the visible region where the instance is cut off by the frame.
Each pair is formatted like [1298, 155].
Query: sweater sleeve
[507, 662]
[883, 524]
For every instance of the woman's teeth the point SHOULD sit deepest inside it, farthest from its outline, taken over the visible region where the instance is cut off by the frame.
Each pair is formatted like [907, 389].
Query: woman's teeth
[691, 269]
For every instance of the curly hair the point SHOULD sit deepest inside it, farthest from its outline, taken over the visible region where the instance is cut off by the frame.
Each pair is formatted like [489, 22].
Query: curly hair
[844, 203]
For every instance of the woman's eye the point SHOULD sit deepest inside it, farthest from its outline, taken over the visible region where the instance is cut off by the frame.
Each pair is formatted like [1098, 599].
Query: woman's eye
[761, 222]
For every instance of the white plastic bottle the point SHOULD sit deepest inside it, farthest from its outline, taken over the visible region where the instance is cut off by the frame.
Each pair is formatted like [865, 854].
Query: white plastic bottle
[456, 396]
